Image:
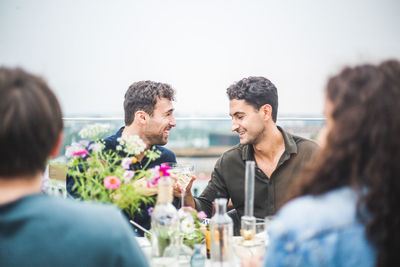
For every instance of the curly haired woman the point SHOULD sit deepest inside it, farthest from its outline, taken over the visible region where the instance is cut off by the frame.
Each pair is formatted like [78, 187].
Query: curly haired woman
[342, 212]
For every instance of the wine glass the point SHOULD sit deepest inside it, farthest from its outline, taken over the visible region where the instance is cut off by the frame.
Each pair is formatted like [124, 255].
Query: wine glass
[184, 172]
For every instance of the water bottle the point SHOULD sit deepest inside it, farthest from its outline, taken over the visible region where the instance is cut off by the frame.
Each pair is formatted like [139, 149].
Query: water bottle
[198, 259]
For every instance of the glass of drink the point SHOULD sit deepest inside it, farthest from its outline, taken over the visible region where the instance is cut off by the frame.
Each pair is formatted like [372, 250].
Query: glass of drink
[183, 172]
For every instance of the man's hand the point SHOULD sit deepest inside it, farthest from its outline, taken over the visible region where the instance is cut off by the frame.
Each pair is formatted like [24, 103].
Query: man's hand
[188, 198]
[141, 184]
[177, 188]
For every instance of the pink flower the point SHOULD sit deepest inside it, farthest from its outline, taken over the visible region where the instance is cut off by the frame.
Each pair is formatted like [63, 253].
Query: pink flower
[201, 215]
[112, 182]
[152, 181]
[80, 153]
[157, 172]
[163, 170]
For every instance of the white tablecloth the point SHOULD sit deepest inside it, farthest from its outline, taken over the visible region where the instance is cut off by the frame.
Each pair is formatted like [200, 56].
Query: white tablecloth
[146, 247]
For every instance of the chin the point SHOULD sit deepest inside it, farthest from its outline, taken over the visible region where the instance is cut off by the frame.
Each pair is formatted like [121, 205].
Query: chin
[162, 142]
[244, 142]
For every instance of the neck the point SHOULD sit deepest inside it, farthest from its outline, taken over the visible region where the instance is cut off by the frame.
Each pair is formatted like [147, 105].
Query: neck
[271, 144]
[12, 189]
[133, 130]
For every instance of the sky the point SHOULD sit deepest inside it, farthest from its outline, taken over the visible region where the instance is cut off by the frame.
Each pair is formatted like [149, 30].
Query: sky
[91, 51]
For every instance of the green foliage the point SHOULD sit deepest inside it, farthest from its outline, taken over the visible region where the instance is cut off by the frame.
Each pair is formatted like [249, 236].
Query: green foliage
[104, 176]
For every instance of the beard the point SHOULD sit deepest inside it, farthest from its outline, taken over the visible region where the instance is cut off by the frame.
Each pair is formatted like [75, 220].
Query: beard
[252, 138]
[157, 139]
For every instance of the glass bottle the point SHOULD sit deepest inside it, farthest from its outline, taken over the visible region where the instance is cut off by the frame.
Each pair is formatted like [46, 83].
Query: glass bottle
[164, 226]
[221, 231]
[198, 259]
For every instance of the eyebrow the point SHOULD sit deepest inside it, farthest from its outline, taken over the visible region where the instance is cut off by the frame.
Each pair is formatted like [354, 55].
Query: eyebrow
[237, 113]
[170, 110]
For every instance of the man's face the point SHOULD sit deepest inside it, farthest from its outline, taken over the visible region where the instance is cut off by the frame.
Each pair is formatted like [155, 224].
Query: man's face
[162, 121]
[246, 121]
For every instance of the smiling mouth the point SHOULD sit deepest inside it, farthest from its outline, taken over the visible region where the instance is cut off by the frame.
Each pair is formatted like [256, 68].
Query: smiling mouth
[241, 133]
[166, 132]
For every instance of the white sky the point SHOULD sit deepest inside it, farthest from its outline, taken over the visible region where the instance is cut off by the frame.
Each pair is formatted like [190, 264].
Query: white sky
[91, 51]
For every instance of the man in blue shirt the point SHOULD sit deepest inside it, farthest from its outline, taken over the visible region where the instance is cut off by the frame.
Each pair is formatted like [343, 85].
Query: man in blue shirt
[148, 114]
[40, 230]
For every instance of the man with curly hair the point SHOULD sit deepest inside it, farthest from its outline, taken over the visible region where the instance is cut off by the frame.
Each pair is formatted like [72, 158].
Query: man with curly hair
[278, 154]
[149, 114]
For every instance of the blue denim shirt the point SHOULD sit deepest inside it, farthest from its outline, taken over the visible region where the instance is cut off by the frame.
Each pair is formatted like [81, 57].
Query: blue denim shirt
[319, 231]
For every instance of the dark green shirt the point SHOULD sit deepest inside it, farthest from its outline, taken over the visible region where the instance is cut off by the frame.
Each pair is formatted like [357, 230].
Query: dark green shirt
[228, 177]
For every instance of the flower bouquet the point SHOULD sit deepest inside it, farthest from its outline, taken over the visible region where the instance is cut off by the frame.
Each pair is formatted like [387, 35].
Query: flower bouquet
[108, 176]
[191, 228]
[187, 228]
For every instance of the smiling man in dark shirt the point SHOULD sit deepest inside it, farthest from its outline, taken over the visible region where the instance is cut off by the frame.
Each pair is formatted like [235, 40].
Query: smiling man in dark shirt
[148, 114]
[278, 155]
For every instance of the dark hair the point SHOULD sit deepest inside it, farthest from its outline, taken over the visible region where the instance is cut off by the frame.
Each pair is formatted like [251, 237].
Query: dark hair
[256, 91]
[30, 122]
[143, 96]
[362, 151]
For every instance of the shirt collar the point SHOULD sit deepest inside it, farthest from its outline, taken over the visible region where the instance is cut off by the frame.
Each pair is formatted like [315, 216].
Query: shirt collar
[290, 146]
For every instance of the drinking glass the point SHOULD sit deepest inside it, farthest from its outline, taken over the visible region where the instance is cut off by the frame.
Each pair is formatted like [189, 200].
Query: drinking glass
[245, 250]
[267, 222]
[184, 172]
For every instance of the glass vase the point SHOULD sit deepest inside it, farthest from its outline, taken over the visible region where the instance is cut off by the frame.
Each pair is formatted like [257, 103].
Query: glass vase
[221, 231]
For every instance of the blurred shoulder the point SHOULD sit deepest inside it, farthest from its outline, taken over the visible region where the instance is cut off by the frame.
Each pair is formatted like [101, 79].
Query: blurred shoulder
[87, 215]
[334, 209]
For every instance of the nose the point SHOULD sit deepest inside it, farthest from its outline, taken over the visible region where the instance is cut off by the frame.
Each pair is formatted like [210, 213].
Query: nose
[172, 122]
[235, 126]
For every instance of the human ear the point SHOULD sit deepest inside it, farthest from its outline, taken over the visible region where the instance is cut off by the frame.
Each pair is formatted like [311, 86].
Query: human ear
[266, 111]
[57, 146]
[141, 116]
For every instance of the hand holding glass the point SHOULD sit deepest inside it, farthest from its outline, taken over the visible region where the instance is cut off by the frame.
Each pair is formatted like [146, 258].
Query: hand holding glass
[183, 172]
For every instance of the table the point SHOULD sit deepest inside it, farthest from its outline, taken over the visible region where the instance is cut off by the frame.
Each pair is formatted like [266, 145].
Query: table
[146, 247]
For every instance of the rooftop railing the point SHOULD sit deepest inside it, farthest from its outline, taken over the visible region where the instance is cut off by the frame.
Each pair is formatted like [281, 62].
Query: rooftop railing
[200, 140]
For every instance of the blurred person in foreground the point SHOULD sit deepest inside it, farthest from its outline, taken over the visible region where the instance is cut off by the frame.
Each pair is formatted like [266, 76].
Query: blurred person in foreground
[37, 229]
[149, 114]
[344, 211]
[279, 155]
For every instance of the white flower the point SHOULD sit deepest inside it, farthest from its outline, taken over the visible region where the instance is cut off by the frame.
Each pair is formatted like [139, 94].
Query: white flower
[84, 143]
[94, 131]
[187, 225]
[96, 147]
[128, 175]
[132, 144]
[118, 148]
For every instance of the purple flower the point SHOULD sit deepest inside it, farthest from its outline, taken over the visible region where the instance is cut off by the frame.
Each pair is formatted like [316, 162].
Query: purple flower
[126, 163]
[150, 211]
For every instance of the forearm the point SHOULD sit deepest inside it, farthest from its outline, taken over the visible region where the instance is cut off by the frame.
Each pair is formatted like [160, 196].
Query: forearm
[189, 201]
[202, 203]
